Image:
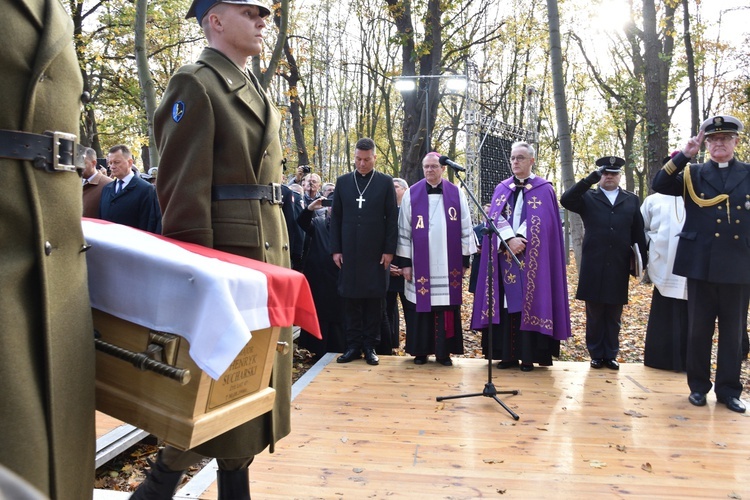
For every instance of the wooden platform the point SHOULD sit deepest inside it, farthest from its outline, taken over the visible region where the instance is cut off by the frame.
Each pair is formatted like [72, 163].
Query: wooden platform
[378, 432]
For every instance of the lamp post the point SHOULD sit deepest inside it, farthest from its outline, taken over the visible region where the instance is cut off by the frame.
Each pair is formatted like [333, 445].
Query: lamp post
[455, 83]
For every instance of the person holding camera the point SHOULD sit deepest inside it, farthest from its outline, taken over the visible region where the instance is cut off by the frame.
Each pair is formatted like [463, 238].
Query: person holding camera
[299, 176]
[613, 223]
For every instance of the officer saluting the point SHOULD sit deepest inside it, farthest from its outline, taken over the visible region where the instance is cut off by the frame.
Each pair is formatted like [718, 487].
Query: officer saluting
[714, 255]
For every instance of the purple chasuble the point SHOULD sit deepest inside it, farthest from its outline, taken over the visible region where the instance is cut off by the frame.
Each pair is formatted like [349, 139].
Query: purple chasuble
[420, 231]
[539, 290]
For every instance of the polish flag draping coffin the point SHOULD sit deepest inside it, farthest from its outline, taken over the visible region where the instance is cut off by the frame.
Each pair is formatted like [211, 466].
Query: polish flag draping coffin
[186, 336]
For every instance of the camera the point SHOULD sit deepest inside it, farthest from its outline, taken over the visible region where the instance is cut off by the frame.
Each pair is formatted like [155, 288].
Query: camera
[327, 202]
[306, 169]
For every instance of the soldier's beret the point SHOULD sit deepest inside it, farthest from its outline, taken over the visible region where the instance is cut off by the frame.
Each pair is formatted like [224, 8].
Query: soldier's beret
[722, 123]
[610, 163]
[199, 8]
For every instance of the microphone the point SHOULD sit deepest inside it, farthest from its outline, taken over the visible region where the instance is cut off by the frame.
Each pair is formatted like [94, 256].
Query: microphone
[444, 160]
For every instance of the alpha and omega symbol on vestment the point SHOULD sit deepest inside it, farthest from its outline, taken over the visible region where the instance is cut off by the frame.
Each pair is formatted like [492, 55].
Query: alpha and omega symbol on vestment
[420, 222]
[453, 214]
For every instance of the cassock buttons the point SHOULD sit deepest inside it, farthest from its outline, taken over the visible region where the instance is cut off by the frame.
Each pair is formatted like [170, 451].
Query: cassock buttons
[47, 248]
[736, 237]
[718, 221]
[717, 235]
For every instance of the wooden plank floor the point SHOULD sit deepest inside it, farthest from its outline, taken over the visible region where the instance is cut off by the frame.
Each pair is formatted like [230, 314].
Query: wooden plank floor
[378, 432]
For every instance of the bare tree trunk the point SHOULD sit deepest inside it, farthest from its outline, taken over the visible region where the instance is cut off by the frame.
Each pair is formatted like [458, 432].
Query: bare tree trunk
[281, 18]
[658, 61]
[575, 226]
[148, 91]
[692, 85]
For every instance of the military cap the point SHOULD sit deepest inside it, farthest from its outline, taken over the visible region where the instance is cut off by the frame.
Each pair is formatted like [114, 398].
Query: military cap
[722, 123]
[610, 163]
[199, 8]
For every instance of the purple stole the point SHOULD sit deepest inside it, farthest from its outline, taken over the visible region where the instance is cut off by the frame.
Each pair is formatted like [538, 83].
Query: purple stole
[420, 233]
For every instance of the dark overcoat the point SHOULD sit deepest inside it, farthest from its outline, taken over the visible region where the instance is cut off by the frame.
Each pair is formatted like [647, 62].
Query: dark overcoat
[214, 127]
[714, 243]
[46, 345]
[92, 195]
[135, 206]
[609, 233]
[364, 234]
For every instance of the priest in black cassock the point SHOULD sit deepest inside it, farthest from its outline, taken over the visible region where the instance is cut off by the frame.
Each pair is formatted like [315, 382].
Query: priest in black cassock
[364, 230]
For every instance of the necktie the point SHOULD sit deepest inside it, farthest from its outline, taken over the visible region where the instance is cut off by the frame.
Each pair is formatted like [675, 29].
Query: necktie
[119, 186]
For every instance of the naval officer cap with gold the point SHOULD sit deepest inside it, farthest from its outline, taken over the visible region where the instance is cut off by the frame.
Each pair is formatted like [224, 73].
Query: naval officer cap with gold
[200, 8]
[722, 124]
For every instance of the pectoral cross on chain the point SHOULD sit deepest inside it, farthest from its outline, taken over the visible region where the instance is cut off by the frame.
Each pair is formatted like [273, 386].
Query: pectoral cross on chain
[360, 200]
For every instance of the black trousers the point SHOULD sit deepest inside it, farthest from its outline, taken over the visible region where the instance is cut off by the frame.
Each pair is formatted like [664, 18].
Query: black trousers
[709, 301]
[362, 322]
[603, 329]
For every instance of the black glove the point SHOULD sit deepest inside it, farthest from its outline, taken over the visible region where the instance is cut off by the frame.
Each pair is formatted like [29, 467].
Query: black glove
[595, 176]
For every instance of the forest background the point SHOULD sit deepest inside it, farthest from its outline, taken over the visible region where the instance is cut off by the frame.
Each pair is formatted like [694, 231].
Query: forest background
[634, 78]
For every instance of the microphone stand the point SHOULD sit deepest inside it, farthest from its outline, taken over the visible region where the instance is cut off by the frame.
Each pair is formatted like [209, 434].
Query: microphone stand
[490, 391]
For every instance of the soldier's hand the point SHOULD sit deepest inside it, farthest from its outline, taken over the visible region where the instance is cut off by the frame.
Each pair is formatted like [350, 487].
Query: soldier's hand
[595, 176]
[693, 145]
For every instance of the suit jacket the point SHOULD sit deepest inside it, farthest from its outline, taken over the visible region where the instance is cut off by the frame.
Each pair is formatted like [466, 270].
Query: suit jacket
[364, 234]
[610, 231]
[47, 349]
[92, 195]
[135, 206]
[715, 240]
[215, 127]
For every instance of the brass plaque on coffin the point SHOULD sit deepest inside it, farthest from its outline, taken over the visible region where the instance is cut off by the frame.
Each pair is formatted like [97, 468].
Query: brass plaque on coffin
[246, 373]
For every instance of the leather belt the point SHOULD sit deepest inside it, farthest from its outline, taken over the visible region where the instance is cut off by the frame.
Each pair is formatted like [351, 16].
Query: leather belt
[270, 193]
[51, 151]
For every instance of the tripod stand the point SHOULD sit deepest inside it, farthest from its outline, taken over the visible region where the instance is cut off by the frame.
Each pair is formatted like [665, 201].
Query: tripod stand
[490, 391]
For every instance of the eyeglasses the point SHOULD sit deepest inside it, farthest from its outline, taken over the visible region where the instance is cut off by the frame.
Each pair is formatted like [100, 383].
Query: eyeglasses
[519, 158]
[720, 138]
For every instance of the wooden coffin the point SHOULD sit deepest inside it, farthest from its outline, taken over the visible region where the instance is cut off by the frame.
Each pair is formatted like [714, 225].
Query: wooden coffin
[182, 415]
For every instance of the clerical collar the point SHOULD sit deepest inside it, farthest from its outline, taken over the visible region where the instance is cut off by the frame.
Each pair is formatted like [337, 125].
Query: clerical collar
[723, 164]
[434, 190]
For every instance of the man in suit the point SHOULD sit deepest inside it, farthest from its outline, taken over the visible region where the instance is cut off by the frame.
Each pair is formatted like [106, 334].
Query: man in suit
[714, 255]
[364, 232]
[129, 200]
[47, 345]
[613, 223]
[221, 160]
[93, 184]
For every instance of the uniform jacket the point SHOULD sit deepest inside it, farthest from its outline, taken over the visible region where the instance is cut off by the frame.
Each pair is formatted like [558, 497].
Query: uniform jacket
[46, 348]
[213, 127]
[92, 195]
[135, 206]
[364, 235]
[610, 232]
[715, 241]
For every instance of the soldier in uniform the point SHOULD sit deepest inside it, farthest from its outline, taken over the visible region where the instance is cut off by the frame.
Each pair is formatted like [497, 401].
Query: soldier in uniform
[221, 161]
[613, 223]
[47, 345]
[714, 255]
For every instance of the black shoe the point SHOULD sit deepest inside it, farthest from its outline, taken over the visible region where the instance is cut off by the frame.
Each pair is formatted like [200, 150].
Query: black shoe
[527, 368]
[349, 355]
[159, 483]
[732, 403]
[371, 357]
[233, 484]
[597, 363]
[445, 362]
[504, 365]
[612, 364]
[420, 360]
[697, 399]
